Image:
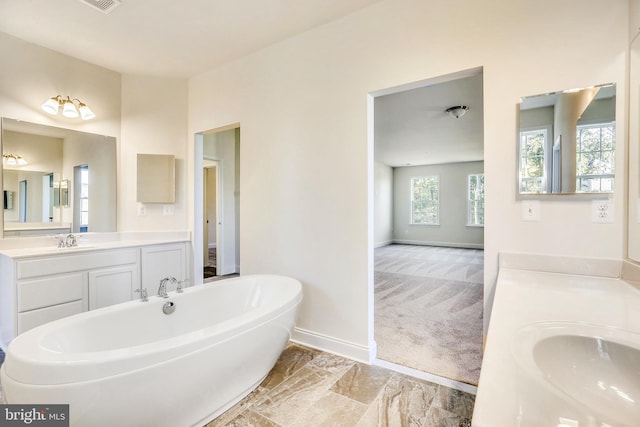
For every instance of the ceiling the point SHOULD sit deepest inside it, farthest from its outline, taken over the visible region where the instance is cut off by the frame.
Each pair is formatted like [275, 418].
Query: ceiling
[166, 38]
[184, 38]
[411, 127]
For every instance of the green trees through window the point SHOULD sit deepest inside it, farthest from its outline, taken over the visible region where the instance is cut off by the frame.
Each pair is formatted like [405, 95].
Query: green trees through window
[425, 195]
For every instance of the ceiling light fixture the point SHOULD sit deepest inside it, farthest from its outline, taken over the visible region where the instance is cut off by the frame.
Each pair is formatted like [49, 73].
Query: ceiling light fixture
[457, 111]
[13, 160]
[68, 106]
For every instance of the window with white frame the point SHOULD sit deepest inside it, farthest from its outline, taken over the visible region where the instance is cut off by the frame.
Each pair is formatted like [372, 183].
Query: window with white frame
[84, 198]
[475, 199]
[532, 160]
[595, 157]
[425, 195]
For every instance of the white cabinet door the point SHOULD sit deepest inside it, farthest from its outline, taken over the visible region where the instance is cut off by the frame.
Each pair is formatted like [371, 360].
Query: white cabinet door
[160, 261]
[112, 285]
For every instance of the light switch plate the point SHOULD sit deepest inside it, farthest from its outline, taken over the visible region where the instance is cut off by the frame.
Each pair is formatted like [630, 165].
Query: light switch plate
[531, 210]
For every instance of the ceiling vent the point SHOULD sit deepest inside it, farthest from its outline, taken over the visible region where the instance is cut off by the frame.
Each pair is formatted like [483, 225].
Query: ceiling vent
[105, 6]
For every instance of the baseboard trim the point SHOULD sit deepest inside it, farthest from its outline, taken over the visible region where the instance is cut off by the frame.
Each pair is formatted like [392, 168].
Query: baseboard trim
[444, 244]
[381, 244]
[331, 345]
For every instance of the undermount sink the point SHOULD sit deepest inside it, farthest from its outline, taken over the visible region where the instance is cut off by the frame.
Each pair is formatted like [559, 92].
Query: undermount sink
[598, 367]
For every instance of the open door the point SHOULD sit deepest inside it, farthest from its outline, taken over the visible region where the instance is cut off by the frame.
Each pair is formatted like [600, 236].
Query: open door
[217, 172]
[210, 223]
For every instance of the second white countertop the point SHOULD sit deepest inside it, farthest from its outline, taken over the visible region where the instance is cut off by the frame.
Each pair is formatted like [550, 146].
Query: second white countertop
[510, 392]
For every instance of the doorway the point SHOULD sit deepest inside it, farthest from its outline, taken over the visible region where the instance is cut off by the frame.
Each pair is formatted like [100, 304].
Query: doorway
[217, 207]
[426, 244]
[210, 218]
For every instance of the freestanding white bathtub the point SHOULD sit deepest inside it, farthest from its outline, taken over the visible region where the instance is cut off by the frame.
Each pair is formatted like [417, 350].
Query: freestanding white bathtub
[132, 365]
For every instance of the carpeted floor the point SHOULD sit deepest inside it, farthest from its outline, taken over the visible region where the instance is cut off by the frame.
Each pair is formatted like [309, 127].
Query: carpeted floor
[428, 309]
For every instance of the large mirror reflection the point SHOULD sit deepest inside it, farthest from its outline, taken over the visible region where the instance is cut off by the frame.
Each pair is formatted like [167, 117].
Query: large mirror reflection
[57, 180]
[567, 142]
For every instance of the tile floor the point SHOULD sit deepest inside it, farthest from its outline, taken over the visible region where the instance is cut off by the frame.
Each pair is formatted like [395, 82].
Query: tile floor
[312, 388]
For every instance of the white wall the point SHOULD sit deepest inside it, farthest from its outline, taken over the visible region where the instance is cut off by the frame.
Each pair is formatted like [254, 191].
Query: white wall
[154, 121]
[383, 203]
[302, 104]
[452, 230]
[634, 132]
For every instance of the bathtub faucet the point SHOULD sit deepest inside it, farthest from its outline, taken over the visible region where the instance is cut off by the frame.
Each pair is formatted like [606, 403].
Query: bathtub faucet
[162, 290]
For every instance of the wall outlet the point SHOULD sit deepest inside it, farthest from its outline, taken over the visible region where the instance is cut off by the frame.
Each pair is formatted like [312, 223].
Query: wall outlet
[531, 210]
[168, 210]
[142, 210]
[602, 211]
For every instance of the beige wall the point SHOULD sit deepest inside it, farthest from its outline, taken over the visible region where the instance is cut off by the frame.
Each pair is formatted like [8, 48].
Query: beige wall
[302, 105]
[154, 121]
[452, 229]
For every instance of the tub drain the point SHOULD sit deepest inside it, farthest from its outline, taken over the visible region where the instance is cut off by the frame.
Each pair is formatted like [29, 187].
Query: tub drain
[168, 307]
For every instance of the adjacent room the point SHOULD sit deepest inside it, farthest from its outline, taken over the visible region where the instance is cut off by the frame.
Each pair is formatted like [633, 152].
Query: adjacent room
[429, 219]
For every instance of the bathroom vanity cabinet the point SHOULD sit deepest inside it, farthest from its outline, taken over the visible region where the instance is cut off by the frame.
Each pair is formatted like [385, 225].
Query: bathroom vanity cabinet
[52, 284]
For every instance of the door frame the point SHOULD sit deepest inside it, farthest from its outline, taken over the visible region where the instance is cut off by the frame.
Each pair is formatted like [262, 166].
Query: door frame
[198, 202]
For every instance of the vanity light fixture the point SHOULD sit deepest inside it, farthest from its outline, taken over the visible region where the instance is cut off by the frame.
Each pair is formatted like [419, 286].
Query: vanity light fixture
[68, 106]
[457, 111]
[13, 160]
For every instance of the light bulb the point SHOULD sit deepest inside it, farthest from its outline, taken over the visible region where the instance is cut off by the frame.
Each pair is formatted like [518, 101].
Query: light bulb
[69, 109]
[51, 106]
[85, 112]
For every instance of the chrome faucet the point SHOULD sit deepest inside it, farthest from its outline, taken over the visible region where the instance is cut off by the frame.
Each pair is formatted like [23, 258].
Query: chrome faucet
[143, 294]
[162, 290]
[70, 241]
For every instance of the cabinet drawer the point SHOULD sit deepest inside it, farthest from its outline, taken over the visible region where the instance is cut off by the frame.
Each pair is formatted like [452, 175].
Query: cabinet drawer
[76, 261]
[34, 318]
[51, 290]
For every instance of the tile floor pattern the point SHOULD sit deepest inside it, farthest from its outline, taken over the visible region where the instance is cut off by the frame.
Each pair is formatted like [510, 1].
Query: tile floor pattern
[312, 388]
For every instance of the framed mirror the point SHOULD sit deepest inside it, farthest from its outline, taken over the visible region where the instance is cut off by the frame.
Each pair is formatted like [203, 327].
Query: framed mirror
[57, 180]
[567, 143]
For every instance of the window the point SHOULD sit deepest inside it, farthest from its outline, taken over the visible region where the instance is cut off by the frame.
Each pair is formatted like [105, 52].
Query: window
[425, 193]
[84, 198]
[595, 157]
[475, 202]
[532, 160]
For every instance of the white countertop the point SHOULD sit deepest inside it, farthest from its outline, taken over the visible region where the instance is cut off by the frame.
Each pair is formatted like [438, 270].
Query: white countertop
[510, 392]
[47, 245]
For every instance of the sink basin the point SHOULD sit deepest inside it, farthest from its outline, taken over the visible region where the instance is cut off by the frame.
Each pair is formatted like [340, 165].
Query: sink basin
[596, 366]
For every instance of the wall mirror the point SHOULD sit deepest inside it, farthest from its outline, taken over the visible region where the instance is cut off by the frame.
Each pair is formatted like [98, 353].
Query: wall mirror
[633, 242]
[567, 142]
[57, 179]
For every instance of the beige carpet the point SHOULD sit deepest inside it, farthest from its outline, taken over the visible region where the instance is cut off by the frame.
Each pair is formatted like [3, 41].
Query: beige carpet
[428, 309]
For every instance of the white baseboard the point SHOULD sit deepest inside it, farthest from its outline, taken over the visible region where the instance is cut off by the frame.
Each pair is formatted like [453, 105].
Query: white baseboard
[381, 244]
[331, 345]
[444, 244]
